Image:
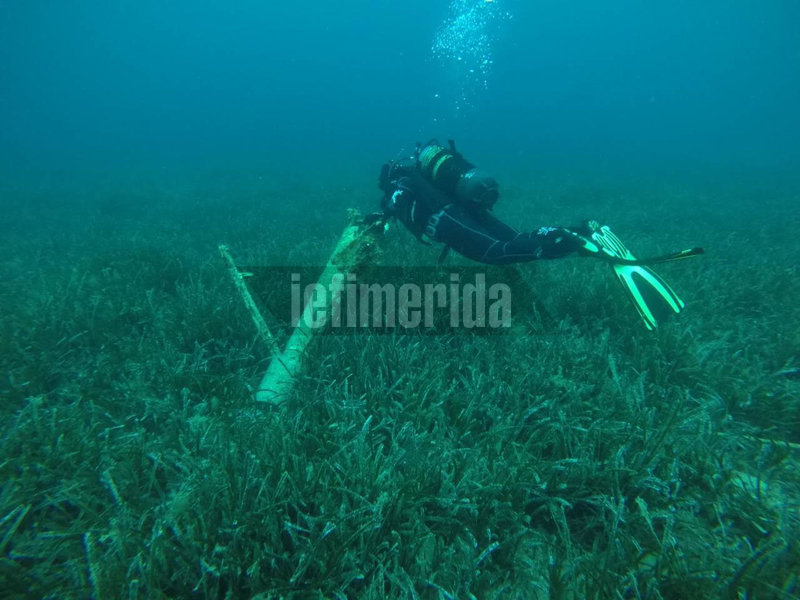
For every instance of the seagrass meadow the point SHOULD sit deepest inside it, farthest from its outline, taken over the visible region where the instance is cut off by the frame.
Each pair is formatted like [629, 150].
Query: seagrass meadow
[584, 458]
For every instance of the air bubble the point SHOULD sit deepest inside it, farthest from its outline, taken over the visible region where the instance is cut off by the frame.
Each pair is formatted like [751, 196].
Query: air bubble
[463, 47]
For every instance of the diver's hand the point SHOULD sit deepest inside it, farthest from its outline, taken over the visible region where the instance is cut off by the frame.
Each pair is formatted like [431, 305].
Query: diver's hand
[373, 218]
[377, 222]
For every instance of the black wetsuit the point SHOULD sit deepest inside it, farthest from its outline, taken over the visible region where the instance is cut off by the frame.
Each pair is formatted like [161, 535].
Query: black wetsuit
[471, 231]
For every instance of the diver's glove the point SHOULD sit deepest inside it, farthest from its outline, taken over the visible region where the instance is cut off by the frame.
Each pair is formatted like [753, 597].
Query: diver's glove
[373, 218]
[376, 222]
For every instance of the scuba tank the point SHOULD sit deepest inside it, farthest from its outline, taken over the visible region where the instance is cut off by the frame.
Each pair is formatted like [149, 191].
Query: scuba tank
[450, 173]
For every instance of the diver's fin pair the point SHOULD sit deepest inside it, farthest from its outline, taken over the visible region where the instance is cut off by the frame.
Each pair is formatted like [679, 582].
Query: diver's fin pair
[653, 298]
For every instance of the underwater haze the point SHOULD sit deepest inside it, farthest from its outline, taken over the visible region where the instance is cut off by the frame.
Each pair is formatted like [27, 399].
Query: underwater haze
[91, 84]
[169, 170]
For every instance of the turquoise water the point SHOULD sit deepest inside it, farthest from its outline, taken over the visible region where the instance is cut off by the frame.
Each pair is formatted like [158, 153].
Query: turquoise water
[580, 456]
[163, 86]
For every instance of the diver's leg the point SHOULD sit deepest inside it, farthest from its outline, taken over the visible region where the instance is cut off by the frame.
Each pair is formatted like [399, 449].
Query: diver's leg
[497, 228]
[468, 236]
[462, 232]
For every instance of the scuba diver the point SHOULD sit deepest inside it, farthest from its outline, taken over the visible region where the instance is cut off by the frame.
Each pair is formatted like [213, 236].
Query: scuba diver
[439, 196]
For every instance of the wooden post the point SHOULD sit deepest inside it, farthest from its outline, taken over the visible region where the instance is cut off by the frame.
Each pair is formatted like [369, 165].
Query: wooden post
[238, 280]
[356, 247]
